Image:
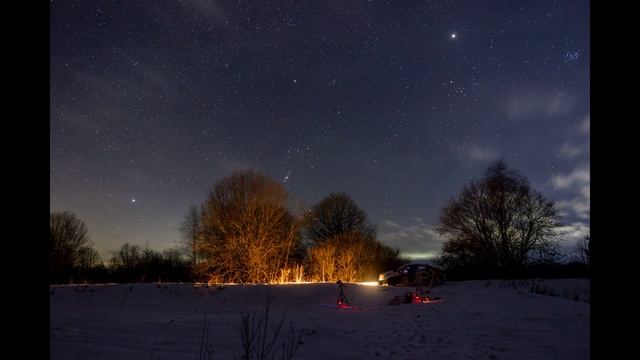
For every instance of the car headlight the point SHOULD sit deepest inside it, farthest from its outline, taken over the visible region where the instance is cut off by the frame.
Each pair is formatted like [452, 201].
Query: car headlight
[381, 277]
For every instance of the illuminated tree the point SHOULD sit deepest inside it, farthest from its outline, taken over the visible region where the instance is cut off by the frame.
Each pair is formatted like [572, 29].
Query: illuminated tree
[497, 223]
[344, 244]
[350, 257]
[246, 232]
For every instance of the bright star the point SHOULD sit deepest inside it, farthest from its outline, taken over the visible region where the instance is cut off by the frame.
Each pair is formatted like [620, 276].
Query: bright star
[453, 35]
[133, 200]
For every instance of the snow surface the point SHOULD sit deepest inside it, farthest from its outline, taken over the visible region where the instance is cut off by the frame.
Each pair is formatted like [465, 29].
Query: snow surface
[477, 320]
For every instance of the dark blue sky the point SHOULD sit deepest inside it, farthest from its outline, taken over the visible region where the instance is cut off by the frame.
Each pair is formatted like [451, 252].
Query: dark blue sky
[398, 103]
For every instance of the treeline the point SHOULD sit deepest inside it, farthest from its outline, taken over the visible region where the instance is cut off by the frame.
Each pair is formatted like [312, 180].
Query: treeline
[72, 258]
[244, 232]
[542, 270]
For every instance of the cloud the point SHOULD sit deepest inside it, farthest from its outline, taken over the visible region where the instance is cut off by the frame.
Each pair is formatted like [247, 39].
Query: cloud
[392, 224]
[578, 177]
[482, 154]
[535, 103]
[578, 206]
[416, 237]
[585, 126]
[573, 232]
[471, 154]
[570, 150]
[586, 191]
[578, 183]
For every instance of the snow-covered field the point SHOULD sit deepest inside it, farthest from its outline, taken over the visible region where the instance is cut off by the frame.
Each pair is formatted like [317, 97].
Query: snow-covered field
[476, 320]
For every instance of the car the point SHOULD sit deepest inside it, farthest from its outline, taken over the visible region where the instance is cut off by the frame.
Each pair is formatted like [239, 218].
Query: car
[413, 275]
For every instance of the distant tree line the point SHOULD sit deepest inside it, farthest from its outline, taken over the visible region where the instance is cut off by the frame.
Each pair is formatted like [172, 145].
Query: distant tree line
[72, 258]
[245, 232]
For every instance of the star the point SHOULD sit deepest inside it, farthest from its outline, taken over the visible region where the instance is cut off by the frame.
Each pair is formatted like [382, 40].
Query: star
[133, 200]
[286, 178]
[453, 35]
[571, 55]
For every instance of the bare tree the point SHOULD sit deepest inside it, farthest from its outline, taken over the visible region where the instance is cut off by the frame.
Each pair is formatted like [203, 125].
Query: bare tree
[584, 250]
[499, 222]
[128, 257]
[334, 215]
[67, 237]
[321, 261]
[88, 257]
[173, 257]
[247, 234]
[133, 262]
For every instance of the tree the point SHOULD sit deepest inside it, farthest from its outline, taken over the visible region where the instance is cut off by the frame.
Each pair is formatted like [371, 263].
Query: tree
[584, 250]
[88, 258]
[128, 257]
[344, 242]
[136, 263]
[126, 262]
[67, 240]
[350, 257]
[336, 214]
[246, 232]
[498, 223]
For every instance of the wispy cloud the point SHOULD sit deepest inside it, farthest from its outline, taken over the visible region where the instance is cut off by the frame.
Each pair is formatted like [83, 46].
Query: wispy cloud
[573, 232]
[416, 237]
[585, 126]
[579, 206]
[578, 177]
[570, 150]
[391, 224]
[524, 105]
[580, 145]
[482, 154]
[472, 154]
[577, 182]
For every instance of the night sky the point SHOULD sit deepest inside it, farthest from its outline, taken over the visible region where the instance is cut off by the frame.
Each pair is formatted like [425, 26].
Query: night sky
[398, 103]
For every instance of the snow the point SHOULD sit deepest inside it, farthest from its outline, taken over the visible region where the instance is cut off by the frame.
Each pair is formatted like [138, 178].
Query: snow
[477, 320]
